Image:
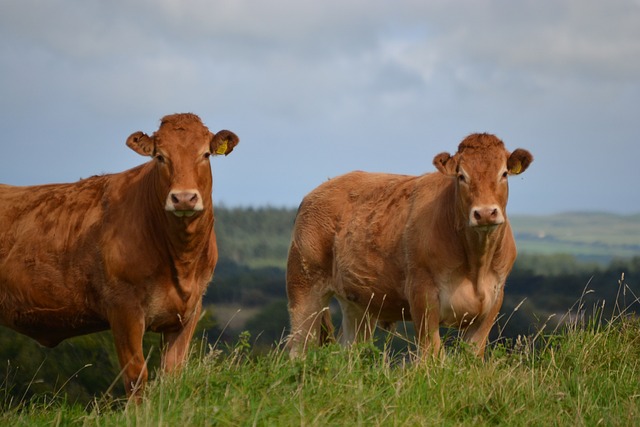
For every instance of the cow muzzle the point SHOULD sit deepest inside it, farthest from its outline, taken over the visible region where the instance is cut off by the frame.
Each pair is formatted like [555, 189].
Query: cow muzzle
[184, 203]
[486, 216]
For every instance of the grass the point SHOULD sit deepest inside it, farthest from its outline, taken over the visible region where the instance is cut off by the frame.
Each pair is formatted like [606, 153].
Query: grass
[584, 234]
[587, 373]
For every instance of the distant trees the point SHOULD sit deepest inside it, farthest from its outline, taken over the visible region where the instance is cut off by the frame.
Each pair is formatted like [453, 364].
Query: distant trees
[552, 291]
[254, 236]
[271, 325]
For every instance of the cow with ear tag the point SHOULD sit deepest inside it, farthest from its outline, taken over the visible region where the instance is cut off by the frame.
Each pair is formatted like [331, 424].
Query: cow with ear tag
[434, 249]
[131, 251]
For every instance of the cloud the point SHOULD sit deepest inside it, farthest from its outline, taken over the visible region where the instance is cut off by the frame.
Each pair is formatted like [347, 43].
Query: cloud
[342, 80]
[306, 48]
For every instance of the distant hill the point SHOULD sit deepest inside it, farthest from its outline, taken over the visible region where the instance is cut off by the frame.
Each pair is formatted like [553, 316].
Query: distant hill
[592, 236]
[259, 237]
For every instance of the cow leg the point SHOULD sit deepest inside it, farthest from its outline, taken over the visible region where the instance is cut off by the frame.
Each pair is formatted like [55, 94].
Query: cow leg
[308, 303]
[478, 332]
[425, 311]
[176, 343]
[307, 316]
[357, 324]
[349, 328]
[128, 330]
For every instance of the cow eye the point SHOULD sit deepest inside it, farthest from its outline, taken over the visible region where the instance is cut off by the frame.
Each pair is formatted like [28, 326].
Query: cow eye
[160, 158]
[207, 155]
[461, 178]
[505, 174]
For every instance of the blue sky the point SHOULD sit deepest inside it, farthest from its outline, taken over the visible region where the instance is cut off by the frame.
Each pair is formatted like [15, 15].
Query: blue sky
[315, 89]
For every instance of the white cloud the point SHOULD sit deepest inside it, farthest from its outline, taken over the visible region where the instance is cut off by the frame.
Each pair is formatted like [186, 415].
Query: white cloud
[414, 75]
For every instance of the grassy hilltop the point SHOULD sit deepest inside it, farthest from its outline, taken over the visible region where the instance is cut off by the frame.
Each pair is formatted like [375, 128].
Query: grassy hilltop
[565, 349]
[584, 375]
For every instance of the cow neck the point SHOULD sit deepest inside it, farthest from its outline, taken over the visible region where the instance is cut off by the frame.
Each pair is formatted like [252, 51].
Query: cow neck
[188, 236]
[184, 236]
[479, 245]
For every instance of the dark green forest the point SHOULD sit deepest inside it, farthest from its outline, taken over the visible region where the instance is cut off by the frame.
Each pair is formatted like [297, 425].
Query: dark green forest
[248, 294]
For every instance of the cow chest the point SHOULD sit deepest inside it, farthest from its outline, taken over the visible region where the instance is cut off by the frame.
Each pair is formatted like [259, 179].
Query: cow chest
[463, 301]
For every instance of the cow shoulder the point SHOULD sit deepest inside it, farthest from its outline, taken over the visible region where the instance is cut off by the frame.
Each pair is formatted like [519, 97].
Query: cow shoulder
[432, 237]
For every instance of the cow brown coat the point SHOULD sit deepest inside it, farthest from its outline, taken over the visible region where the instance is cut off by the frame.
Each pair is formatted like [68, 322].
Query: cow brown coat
[435, 249]
[132, 251]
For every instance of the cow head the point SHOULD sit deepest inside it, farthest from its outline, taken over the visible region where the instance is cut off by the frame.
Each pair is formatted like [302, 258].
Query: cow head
[481, 168]
[181, 149]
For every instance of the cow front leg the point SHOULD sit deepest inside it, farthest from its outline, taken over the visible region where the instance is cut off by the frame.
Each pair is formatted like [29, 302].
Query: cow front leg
[128, 331]
[176, 343]
[478, 332]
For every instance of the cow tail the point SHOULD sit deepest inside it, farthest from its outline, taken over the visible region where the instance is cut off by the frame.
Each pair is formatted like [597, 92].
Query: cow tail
[326, 328]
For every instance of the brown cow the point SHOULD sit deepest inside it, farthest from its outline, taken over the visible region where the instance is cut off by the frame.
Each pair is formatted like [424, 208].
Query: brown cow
[132, 251]
[435, 249]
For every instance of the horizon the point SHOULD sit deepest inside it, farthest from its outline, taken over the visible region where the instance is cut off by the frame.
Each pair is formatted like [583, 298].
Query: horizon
[222, 205]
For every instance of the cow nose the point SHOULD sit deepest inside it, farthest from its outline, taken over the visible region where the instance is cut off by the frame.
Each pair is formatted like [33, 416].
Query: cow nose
[184, 200]
[486, 215]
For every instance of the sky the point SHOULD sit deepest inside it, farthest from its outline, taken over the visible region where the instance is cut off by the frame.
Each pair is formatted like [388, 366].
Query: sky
[315, 89]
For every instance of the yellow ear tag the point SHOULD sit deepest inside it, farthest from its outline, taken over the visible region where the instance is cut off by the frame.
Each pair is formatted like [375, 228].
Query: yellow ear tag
[516, 169]
[222, 148]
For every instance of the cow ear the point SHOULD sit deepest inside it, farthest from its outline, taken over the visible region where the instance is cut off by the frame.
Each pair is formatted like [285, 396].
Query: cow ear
[519, 161]
[224, 142]
[141, 143]
[445, 163]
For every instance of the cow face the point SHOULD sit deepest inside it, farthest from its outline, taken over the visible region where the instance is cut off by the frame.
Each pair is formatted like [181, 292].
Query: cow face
[481, 168]
[181, 149]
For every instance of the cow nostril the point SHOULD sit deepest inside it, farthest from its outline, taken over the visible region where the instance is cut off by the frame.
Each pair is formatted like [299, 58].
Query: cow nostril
[184, 201]
[486, 215]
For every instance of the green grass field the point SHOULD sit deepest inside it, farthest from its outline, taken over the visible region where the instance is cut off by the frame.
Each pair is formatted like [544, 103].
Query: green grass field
[582, 375]
[599, 236]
